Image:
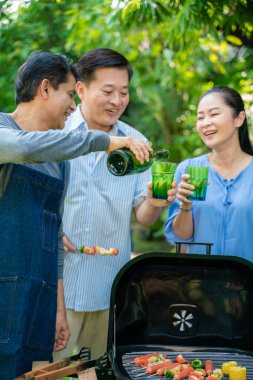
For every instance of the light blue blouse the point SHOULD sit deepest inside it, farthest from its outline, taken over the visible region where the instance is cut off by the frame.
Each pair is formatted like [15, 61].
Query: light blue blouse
[225, 218]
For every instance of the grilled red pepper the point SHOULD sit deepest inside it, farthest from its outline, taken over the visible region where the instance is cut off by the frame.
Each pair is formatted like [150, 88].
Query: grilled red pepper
[195, 376]
[180, 359]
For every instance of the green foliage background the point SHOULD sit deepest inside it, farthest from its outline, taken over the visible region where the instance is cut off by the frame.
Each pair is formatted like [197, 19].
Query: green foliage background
[178, 48]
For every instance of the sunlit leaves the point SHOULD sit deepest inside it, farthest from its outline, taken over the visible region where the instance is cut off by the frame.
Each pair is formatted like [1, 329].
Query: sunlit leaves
[178, 48]
[234, 40]
[138, 12]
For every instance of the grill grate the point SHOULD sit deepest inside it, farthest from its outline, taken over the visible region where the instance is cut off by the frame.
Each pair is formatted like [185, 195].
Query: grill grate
[218, 358]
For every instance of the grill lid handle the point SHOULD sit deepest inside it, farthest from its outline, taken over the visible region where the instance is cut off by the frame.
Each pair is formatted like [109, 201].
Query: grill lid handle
[180, 243]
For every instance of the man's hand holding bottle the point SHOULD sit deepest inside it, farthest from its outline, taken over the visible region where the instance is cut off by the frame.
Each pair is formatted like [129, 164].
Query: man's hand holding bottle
[140, 148]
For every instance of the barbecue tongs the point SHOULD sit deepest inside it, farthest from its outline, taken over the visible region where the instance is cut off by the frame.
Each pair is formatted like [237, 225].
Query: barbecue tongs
[66, 367]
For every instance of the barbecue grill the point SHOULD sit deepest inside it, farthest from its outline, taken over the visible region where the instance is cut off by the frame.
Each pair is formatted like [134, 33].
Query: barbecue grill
[200, 306]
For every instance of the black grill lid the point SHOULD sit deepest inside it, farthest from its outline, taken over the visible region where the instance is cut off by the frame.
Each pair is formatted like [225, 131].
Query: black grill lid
[183, 299]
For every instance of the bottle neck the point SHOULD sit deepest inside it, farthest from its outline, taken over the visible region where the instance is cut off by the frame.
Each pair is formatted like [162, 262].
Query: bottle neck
[160, 154]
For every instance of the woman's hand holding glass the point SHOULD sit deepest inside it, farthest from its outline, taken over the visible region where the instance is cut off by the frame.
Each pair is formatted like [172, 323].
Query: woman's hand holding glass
[184, 190]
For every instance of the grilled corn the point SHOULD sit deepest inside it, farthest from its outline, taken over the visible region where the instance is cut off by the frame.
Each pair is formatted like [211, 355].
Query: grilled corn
[226, 367]
[237, 373]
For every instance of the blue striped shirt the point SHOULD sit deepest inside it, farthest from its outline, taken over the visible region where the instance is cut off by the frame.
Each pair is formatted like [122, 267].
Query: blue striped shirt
[225, 218]
[97, 211]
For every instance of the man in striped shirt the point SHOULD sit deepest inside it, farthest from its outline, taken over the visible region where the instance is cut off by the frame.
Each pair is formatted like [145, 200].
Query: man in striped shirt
[98, 205]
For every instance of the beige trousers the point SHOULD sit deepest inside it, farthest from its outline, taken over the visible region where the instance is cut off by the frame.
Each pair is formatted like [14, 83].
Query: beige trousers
[87, 329]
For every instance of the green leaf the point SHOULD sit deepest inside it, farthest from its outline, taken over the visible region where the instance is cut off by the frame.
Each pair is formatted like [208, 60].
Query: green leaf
[234, 40]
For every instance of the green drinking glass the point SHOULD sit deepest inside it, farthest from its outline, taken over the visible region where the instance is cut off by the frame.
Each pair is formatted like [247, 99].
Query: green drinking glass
[198, 178]
[162, 178]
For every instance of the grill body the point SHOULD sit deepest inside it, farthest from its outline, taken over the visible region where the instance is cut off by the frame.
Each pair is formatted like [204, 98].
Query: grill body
[199, 306]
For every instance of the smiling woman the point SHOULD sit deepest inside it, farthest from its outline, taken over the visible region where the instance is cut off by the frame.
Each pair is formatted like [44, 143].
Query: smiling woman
[222, 125]
[224, 218]
[217, 123]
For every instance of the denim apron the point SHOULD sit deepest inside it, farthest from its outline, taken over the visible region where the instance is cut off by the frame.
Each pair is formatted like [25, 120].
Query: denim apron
[29, 224]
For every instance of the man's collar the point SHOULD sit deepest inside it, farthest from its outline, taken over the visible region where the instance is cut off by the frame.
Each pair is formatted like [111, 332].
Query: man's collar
[79, 117]
[118, 129]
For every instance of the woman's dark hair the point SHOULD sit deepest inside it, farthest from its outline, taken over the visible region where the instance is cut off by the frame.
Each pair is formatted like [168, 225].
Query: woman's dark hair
[234, 100]
[99, 58]
[41, 65]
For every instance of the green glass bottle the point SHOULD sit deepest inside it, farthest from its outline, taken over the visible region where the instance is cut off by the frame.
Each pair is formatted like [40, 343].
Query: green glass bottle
[123, 161]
